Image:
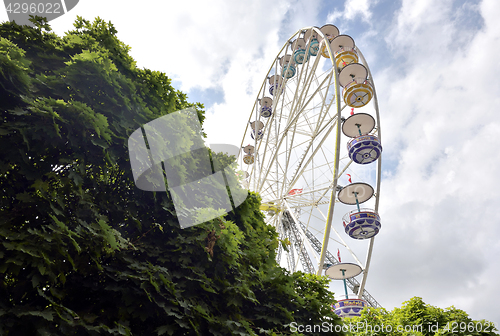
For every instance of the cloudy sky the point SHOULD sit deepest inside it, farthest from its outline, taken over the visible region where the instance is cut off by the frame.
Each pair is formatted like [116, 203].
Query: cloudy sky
[436, 72]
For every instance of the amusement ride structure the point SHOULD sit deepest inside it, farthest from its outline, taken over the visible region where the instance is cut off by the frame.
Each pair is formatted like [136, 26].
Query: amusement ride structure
[318, 93]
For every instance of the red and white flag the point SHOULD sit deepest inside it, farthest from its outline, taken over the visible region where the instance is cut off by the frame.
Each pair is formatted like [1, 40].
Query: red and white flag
[294, 191]
[349, 178]
[338, 255]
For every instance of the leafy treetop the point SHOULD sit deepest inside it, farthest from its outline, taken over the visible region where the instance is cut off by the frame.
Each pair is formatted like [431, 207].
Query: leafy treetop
[417, 318]
[85, 252]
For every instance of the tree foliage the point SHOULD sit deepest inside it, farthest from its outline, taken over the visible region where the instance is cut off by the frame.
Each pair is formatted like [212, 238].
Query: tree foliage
[417, 318]
[84, 252]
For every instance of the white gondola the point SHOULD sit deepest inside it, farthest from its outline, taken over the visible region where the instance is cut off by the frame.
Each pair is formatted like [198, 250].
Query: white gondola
[248, 158]
[275, 82]
[287, 66]
[249, 149]
[357, 89]
[359, 224]
[330, 31]
[344, 51]
[312, 37]
[299, 51]
[266, 107]
[363, 148]
[257, 130]
[347, 307]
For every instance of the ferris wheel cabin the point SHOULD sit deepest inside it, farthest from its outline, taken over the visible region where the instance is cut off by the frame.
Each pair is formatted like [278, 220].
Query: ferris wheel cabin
[257, 130]
[299, 55]
[343, 51]
[349, 306]
[359, 223]
[330, 31]
[274, 83]
[312, 37]
[266, 109]
[248, 157]
[363, 148]
[287, 67]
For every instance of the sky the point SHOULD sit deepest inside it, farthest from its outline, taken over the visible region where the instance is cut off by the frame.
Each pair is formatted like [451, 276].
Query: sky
[435, 67]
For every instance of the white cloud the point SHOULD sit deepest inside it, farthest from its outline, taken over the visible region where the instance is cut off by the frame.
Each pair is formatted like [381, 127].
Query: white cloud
[352, 10]
[440, 123]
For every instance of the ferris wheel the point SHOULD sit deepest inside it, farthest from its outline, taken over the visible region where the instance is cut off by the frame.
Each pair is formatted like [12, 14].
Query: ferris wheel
[317, 94]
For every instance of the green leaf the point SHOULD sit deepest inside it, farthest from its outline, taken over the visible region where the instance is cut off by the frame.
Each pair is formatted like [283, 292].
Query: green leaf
[18, 111]
[77, 179]
[48, 315]
[25, 197]
[164, 329]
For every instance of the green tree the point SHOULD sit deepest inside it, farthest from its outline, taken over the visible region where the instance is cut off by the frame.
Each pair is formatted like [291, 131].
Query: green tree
[85, 252]
[416, 317]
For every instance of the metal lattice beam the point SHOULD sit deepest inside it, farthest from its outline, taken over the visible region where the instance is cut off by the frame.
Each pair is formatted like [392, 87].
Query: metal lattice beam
[290, 226]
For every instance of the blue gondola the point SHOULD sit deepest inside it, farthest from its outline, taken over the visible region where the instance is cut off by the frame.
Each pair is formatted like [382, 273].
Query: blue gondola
[274, 82]
[364, 149]
[288, 71]
[362, 224]
[266, 112]
[299, 56]
[260, 135]
[266, 109]
[314, 47]
[349, 307]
